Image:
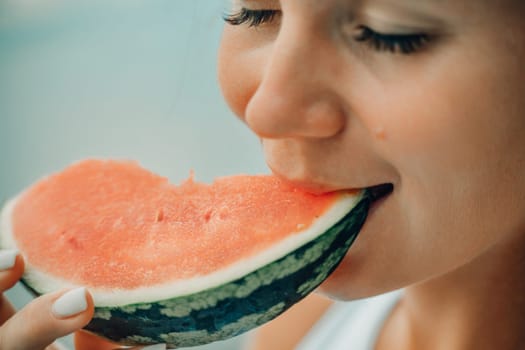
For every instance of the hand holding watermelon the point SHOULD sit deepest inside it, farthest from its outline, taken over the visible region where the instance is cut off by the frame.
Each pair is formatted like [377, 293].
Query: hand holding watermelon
[46, 318]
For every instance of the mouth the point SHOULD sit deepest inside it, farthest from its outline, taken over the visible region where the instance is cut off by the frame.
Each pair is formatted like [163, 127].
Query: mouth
[377, 192]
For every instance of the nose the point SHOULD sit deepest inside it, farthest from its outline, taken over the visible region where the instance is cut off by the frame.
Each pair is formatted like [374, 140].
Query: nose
[296, 94]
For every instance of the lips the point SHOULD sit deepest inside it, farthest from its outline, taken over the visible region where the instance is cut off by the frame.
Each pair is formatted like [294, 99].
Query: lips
[374, 192]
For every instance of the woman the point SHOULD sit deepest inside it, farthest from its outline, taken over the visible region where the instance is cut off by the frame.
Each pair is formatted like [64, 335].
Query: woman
[426, 96]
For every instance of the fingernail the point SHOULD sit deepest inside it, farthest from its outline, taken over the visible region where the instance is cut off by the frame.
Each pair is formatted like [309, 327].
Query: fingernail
[7, 258]
[70, 303]
[155, 347]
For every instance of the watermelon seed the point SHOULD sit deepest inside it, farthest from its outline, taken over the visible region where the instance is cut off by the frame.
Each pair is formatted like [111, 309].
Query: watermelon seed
[72, 241]
[208, 214]
[160, 215]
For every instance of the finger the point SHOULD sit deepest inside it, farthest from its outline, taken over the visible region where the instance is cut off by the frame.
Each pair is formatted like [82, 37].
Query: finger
[6, 309]
[11, 268]
[88, 341]
[47, 318]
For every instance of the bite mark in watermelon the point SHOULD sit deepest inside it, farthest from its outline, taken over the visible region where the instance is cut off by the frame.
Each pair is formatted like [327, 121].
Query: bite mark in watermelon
[183, 265]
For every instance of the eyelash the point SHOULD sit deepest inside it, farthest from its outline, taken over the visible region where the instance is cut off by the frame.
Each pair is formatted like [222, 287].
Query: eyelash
[252, 18]
[393, 43]
[402, 43]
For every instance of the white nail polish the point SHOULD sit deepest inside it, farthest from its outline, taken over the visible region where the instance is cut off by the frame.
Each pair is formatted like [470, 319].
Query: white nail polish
[155, 347]
[7, 258]
[70, 303]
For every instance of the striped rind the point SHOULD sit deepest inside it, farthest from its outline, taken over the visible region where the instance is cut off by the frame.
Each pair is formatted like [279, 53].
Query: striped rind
[222, 310]
[44, 282]
[238, 306]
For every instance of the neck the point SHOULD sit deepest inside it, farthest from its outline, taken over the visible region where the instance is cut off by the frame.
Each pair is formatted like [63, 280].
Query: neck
[478, 306]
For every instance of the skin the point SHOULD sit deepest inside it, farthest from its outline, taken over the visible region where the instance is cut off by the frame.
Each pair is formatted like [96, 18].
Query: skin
[445, 125]
[35, 327]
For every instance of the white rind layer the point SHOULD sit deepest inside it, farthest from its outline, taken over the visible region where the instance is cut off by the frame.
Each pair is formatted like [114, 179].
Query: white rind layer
[44, 282]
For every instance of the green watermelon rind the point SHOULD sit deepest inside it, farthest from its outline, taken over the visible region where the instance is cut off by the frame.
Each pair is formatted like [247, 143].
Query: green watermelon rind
[231, 308]
[45, 282]
[238, 306]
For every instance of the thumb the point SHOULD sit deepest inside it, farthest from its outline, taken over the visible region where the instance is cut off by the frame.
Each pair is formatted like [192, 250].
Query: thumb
[47, 318]
[88, 341]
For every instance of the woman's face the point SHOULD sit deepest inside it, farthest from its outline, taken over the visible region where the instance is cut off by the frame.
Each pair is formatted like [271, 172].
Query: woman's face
[428, 95]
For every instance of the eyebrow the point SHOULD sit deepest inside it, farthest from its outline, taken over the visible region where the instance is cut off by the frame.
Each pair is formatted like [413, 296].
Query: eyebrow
[258, 2]
[425, 10]
[429, 12]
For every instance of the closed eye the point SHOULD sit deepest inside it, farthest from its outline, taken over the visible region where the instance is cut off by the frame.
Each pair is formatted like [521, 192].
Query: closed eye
[252, 18]
[394, 43]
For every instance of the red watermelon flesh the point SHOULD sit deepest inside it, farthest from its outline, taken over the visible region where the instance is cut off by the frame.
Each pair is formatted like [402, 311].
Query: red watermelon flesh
[130, 228]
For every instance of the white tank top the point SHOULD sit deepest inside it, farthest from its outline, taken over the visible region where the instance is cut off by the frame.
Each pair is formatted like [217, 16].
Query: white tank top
[351, 325]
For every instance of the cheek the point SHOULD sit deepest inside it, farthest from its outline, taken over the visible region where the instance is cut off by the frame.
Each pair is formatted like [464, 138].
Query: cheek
[457, 118]
[456, 135]
[459, 136]
[237, 70]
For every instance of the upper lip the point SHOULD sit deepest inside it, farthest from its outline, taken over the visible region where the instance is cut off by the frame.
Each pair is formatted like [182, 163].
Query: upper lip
[374, 192]
[319, 186]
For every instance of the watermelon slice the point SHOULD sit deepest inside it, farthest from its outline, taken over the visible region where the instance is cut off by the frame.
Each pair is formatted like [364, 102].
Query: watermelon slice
[183, 265]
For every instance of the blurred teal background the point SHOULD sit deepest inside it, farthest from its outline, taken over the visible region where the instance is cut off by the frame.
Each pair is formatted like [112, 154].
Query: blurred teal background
[132, 79]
